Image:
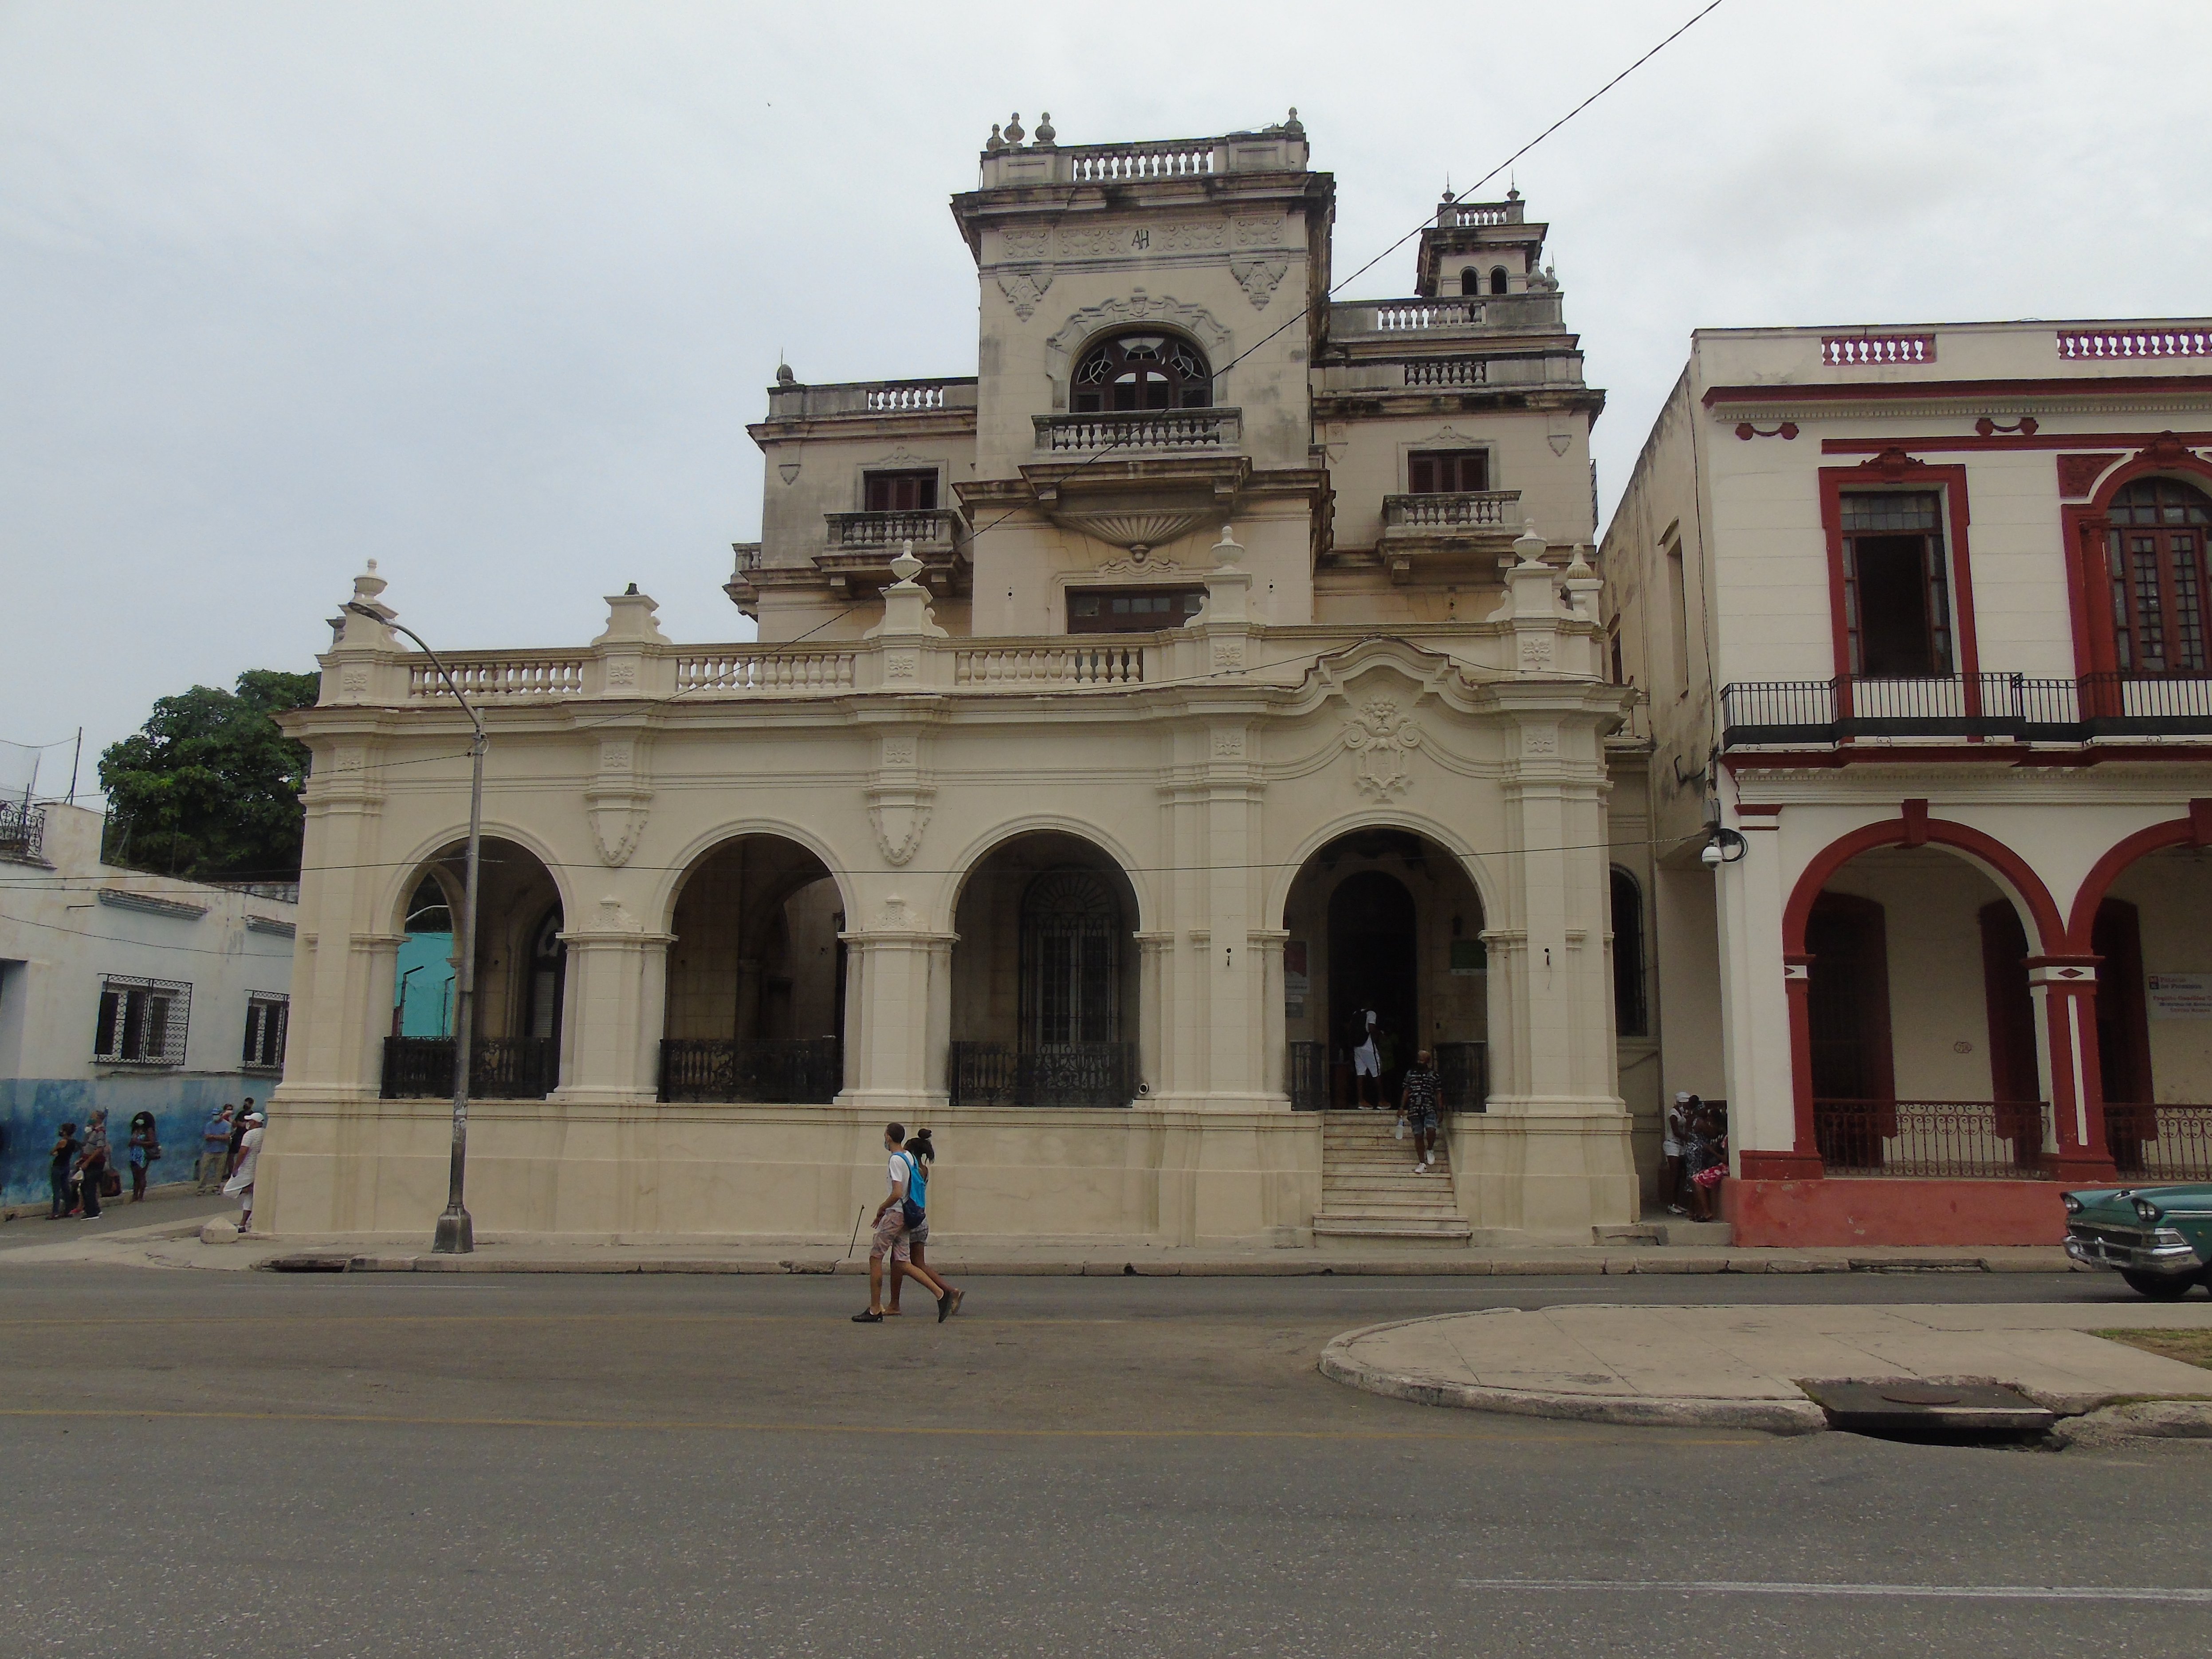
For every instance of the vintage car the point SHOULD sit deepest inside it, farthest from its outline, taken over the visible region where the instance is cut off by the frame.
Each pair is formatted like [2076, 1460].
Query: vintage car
[2159, 1238]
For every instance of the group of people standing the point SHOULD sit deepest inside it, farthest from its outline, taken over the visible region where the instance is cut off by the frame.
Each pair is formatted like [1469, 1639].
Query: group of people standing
[81, 1165]
[902, 1230]
[1694, 1142]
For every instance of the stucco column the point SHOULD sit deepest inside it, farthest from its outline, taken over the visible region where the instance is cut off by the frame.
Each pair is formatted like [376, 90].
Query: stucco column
[2068, 988]
[1271, 1026]
[371, 961]
[1765, 1024]
[1154, 958]
[605, 1016]
[899, 1017]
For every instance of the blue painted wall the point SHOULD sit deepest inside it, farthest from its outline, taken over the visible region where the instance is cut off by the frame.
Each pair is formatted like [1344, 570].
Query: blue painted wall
[32, 1109]
[426, 971]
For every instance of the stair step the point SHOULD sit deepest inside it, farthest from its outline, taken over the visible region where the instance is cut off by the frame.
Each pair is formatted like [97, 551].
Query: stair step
[1356, 1226]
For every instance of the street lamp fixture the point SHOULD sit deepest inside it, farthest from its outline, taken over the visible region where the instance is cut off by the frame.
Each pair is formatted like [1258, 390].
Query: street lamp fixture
[456, 1234]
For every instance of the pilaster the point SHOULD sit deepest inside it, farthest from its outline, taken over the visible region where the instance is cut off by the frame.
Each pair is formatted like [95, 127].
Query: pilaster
[610, 1024]
[898, 1015]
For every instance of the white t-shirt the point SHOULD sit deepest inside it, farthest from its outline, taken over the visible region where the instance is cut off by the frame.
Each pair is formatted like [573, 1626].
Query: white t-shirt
[896, 1176]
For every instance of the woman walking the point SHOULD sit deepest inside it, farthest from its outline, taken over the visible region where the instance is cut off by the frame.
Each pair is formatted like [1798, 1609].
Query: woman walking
[241, 1184]
[64, 1157]
[890, 1239]
[921, 1157]
[144, 1148]
[92, 1162]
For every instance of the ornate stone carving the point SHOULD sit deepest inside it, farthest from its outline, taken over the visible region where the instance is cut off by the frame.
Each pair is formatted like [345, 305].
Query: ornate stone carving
[354, 683]
[1535, 650]
[1259, 277]
[1148, 567]
[1228, 745]
[615, 754]
[899, 817]
[2078, 474]
[1259, 232]
[1023, 289]
[1026, 242]
[1228, 654]
[900, 750]
[903, 664]
[618, 799]
[1538, 740]
[1382, 738]
[1195, 236]
[1089, 242]
[622, 673]
[1139, 310]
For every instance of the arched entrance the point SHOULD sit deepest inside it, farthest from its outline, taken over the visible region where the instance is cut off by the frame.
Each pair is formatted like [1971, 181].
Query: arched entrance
[1044, 978]
[1383, 920]
[515, 1043]
[755, 999]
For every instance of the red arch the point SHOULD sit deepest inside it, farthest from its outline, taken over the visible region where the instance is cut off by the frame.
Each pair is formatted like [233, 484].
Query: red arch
[2049, 926]
[2195, 830]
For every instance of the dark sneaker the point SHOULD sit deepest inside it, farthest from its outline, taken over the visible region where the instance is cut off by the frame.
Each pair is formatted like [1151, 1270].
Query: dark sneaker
[945, 1307]
[865, 1317]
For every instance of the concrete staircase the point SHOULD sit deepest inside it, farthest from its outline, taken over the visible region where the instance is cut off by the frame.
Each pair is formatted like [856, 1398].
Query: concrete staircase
[1369, 1189]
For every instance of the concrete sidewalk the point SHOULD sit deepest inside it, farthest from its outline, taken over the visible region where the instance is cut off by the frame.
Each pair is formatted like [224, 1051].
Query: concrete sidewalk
[181, 1245]
[1742, 1367]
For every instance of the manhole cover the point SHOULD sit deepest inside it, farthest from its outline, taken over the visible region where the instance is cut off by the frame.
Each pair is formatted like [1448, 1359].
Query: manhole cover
[1907, 1409]
[1919, 1394]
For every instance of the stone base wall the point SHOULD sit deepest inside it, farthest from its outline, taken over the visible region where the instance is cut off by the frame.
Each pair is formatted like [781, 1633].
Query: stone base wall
[1804, 1214]
[1543, 1179]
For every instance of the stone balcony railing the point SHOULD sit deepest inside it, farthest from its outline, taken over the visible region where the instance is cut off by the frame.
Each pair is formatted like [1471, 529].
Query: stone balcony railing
[1351, 321]
[1461, 510]
[1462, 214]
[1217, 431]
[1281, 149]
[882, 399]
[853, 532]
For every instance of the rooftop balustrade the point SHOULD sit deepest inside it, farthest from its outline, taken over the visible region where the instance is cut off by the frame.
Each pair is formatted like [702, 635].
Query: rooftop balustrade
[1453, 215]
[1219, 431]
[1401, 321]
[1277, 149]
[883, 400]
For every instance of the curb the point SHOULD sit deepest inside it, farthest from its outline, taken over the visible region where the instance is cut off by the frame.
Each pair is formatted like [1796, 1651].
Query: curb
[1799, 1416]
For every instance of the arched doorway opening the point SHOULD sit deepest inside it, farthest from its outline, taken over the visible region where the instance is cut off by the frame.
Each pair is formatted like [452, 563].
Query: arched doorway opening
[514, 1051]
[1044, 978]
[756, 977]
[1385, 922]
[1922, 1031]
[2152, 930]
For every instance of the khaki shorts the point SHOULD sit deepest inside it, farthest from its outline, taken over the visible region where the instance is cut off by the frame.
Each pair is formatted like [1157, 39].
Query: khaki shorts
[890, 1238]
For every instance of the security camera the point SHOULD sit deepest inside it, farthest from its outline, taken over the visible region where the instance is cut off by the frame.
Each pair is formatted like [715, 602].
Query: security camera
[1711, 856]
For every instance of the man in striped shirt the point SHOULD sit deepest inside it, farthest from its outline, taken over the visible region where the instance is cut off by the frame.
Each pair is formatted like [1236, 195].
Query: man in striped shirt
[1418, 1100]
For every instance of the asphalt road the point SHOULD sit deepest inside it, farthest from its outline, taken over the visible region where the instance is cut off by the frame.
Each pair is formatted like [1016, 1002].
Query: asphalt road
[252, 1464]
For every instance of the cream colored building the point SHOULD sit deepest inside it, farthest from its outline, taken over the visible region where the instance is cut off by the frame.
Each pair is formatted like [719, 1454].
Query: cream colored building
[1223, 660]
[1921, 617]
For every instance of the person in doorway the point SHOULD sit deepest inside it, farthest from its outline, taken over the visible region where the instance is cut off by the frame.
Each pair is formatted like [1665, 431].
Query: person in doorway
[921, 1158]
[237, 1138]
[1708, 1159]
[63, 1160]
[241, 1184]
[1367, 1061]
[92, 1164]
[1416, 1099]
[215, 1150]
[891, 1240]
[1673, 1139]
[142, 1150]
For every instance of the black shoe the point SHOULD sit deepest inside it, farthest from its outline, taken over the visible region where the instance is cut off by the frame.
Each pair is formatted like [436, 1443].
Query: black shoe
[945, 1307]
[866, 1317]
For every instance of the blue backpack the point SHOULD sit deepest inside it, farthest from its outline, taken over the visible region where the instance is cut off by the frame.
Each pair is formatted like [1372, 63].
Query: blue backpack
[916, 1203]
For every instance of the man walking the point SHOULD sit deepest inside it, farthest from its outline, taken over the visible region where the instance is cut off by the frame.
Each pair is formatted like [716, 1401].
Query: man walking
[890, 1239]
[1416, 1099]
[237, 1137]
[215, 1150]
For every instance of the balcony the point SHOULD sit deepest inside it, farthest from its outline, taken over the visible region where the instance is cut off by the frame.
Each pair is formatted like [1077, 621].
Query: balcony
[1058, 1074]
[1280, 149]
[805, 1071]
[1982, 706]
[861, 546]
[949, 398]
[1481, 521]
[1400, 323]
[500, 1068]
[1163, 432]
[23, 832]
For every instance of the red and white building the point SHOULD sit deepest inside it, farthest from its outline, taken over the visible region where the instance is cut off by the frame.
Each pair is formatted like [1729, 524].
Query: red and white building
[1925, 623]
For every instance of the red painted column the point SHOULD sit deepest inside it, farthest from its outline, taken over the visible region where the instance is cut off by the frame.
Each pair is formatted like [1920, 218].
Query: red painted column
[2077, 1106]
[1802, 1162]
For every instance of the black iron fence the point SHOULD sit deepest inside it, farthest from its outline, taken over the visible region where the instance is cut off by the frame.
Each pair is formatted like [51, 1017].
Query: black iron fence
[1973, 1140]
[500, 1068]
[2160, 1143]
[1059, 1074]
[2025, 708]
[1306, 1077]
[1463, 1071]
[768, 1070]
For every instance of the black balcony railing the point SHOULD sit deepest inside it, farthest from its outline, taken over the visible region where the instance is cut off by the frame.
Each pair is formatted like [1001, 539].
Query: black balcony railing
[769, 1070]
[2016, 705]
[2160, 1143]
[1059, 1074]
[1463, 1069]
[22, 831]
[500, 1068]
[1306, 1077]
[1973, 1140]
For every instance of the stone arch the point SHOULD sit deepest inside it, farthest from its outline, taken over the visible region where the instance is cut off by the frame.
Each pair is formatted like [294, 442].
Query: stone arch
[2012, 873]
[661, 907]
[1487, 890]
[1140, 310]
[408, 870]
[947, 904]
[2195, 830]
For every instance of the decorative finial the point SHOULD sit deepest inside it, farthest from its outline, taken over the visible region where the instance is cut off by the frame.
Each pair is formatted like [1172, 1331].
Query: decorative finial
[1228, 551]
[1014, 133]
[632, 589]
[1293, 125]
[905, 566]
[372, 567]
[1513, 192]
[993, 143]
[784, 376]
[1045, 134]
[1529, 545]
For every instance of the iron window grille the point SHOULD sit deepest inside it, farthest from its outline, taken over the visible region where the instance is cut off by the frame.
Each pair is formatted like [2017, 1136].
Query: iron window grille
[143, 1021]
[2160, 593]
[267, 1015]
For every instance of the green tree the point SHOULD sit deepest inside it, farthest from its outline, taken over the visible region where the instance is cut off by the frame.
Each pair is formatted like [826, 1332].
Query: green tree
[210, 787]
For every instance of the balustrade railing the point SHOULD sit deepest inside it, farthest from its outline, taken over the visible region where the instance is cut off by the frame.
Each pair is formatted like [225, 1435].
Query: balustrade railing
[2111, 342]
[1466, 214]
[934, 527]
[2160, 1143]
[1169, 430]
[500, 1068]
[1477, 509]
[1398, 316]
[807, 1071]
[1117, 163]
[1449, 371]
[1852, 350]
[22, 830]
[921, 394]
[1969, 1140]
[501, 677]
[766, 669]
[1059, 1074]
[863, 397]
[1009, 666]
[2018, 706]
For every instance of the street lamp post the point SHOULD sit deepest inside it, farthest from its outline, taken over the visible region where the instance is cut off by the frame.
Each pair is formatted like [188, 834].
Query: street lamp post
[456, 1234]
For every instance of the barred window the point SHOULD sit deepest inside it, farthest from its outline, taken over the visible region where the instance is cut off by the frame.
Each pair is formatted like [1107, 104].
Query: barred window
[2157, 551]
[267, 1014]
[141, 1021]
[1070, 937]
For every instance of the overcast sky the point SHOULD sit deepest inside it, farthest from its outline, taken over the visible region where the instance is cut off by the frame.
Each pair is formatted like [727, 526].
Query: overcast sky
[489, 293]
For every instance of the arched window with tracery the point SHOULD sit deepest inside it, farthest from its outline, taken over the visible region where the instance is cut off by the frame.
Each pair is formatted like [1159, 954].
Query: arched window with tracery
[1070, 943]
[1139, 372]
[2155, 553]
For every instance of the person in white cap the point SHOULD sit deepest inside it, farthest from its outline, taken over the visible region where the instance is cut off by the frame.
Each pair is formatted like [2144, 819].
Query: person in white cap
[241, 1184]
[1367, 1063]
[1673, 1136]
